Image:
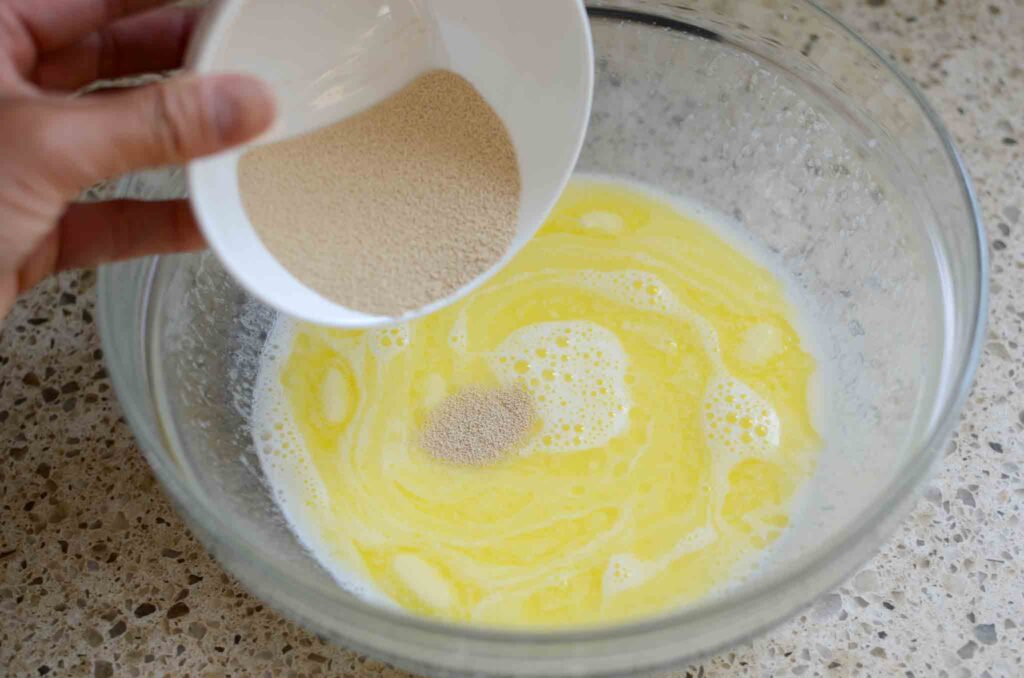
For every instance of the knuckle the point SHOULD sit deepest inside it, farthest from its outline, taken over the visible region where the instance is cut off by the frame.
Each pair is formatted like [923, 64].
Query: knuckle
[170, 114]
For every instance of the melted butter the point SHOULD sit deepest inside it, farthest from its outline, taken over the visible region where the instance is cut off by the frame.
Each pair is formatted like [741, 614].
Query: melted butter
[675, 427]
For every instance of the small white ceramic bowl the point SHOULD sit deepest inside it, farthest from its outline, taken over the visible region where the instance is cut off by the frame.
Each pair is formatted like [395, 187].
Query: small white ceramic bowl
[531, 60]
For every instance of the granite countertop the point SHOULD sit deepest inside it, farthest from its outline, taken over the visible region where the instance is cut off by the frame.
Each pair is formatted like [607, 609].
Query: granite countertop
[100, 577]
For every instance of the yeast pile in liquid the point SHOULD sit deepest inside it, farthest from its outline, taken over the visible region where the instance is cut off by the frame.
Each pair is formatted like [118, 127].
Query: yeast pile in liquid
[674, 426]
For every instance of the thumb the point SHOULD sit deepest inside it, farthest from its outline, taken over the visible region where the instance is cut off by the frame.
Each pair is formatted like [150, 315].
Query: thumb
[167, 123]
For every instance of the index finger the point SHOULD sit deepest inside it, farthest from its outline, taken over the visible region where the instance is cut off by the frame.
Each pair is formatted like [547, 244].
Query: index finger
[57, 23]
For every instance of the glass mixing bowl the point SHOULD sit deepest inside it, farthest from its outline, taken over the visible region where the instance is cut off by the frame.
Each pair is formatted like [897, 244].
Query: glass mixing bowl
[766, 110]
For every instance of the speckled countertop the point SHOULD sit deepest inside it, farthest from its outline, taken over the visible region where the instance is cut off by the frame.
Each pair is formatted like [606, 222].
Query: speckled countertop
[100, 577]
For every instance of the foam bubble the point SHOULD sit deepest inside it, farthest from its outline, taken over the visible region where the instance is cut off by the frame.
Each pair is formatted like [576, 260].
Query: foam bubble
[624, 571]
[576, 373]
[738, 423]
[388, 342]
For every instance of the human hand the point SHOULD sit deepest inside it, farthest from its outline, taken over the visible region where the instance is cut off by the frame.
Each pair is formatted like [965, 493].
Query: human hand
[53, 146]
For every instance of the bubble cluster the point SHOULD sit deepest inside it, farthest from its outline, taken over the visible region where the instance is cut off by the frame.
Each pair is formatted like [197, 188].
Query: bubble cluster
[388, 342]
[738, 423]
[285, 460]
[575, 372]
[275, 435]
[625, 571]
[641, 290]
[458, 337]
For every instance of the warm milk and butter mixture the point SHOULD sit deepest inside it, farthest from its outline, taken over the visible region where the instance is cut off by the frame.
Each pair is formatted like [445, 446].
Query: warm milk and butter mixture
[674, 425]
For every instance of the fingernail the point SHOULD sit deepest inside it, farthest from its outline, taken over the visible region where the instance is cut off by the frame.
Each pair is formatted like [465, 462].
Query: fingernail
[243, 107]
